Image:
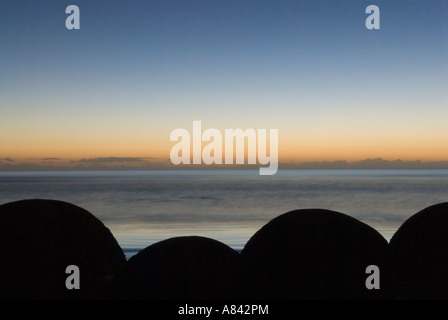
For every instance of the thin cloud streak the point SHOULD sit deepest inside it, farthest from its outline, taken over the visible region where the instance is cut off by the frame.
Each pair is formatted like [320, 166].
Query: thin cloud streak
[149, 163]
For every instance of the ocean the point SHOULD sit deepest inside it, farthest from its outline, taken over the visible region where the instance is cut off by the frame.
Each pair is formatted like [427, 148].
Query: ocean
[142, 207]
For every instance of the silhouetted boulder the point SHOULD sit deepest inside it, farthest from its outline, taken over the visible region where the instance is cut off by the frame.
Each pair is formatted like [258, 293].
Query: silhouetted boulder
[39, 239]
[419, 251]
[313, 254]
[180, 268]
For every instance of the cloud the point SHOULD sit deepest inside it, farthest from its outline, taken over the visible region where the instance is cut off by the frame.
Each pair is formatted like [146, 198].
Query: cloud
[25, 166]
[144, 163]
[368, 163]
[112, 160]
[77, 165]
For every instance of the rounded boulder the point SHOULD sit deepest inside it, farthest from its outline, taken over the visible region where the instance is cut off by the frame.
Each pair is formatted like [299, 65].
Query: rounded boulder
[181, 268]
[419, 251]
[41, 241]
[314, 254]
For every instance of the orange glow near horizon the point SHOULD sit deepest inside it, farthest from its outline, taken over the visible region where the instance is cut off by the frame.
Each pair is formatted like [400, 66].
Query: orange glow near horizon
[291, 149]
[301, 142]
[304, 138]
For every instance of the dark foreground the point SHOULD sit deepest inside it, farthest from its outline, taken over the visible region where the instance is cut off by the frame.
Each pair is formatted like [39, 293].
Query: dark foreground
[55, 250]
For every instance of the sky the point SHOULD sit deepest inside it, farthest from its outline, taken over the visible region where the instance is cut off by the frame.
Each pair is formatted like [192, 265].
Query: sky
[114, 90]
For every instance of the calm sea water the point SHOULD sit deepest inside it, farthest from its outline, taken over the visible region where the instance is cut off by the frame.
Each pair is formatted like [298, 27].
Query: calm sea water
[143, 207]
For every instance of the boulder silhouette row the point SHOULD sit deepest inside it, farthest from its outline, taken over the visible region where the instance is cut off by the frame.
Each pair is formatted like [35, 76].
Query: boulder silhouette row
[302, 254]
